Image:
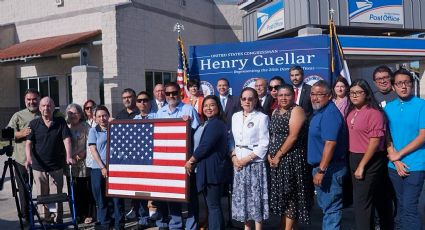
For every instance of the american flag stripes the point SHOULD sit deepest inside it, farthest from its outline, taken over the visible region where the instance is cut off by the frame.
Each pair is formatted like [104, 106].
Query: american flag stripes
[181, 67]
[146, 159]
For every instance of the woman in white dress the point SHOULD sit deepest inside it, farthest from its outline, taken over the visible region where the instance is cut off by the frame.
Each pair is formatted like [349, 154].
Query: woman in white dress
[251, 136]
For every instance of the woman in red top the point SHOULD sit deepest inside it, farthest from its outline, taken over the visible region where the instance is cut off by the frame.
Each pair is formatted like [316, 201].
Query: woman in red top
[195, 96]
[366, 128]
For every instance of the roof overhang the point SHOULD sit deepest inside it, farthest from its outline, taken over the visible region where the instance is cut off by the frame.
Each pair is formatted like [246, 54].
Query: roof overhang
[43, 47]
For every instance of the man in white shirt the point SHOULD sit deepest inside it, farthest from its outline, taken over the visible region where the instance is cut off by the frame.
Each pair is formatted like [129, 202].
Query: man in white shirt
[229, 103]
[302, 91]
[264, 98]
[159, 98]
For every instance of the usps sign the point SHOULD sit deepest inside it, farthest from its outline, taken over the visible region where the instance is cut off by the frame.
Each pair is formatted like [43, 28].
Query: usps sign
[376, 11]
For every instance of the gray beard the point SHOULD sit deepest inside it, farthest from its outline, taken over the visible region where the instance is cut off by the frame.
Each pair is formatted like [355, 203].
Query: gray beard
[316, 106]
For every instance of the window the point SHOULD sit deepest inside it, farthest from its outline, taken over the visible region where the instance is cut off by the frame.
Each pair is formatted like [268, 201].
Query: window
[158, 77]
[47, 86]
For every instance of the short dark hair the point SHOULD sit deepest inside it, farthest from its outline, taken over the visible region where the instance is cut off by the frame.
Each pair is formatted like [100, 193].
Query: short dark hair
[101, 107]
[277, 78]
[404, 72]
[288, 87]
[192, 82]
[323, 84]
[382, 68]
[32, 91]
[173, 84]
[144, 93]
[224, 79]
[297, 67]
[130, 91]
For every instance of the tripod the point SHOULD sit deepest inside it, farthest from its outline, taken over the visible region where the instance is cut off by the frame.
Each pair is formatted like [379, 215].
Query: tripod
[11, 164]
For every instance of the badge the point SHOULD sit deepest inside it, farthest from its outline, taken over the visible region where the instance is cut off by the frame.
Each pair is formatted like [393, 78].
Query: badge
[250, 124]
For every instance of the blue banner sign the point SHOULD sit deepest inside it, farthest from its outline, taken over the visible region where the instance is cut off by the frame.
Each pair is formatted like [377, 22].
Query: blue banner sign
[241, 63]
[376, 11]
[271, 18]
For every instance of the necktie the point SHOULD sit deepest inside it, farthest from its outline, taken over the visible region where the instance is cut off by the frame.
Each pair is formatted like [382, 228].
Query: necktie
[296, 95]
[223, 102]
[261, 101]
[159, 105]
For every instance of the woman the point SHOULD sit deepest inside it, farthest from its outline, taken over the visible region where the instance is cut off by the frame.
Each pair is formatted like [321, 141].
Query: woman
[290, 186]
[251, 137]
[339, 94]
[97, 143]
[366, 130]
[194, 98]
[79, 131]
[406, 151]
[209, 159]
[88, 107]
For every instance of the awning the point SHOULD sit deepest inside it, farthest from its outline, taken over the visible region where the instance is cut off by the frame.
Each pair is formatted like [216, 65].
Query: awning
[43, 46]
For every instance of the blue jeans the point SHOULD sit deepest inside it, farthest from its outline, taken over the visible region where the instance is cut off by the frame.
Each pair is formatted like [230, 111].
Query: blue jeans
[105, 205]
[212, 194]
[407, 190]
[176, 221]
[329, 195]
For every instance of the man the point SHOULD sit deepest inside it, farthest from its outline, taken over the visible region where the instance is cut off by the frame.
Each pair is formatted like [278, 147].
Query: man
[229, 103]
[129, 112]
[406, 150]
[327, 146]
[177, 109]
[382, 78]
[159, 95]
[146, 210]
[275, 83]
[45, 146]
[302, 90]
[19, 122]
[384, 203]
[129, 101]
[264, 98]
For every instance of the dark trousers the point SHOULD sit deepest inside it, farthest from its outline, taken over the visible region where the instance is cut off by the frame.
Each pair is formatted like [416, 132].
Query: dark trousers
[83, 197]
[364, 190]
[105, 206]
[408, 190]
[22, 193]
[385, 200]
[212, 195]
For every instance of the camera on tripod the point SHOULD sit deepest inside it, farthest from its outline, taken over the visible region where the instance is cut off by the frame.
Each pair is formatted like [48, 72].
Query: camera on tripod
[7, 134]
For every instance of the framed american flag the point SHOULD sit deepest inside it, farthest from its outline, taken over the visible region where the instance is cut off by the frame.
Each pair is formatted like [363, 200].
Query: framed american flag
[146, 158]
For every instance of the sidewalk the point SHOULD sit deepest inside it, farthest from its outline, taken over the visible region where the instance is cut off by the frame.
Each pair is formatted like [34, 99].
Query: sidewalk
[9, 219]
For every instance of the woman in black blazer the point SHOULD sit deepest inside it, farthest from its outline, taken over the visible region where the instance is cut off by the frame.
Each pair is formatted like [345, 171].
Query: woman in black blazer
[208, 160]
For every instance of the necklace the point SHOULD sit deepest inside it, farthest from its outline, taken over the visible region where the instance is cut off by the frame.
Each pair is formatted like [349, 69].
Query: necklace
[353, 120]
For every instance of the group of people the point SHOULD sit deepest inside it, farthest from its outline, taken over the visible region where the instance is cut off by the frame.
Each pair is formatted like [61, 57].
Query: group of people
[277, 145]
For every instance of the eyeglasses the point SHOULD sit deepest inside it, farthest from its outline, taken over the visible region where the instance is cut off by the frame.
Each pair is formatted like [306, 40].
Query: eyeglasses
[356, 93]
[401, 83]
[144, 100]
[172, 93]
[249, 99]
[88, 107]
[276, 87]
[318, 94]
[382, 78]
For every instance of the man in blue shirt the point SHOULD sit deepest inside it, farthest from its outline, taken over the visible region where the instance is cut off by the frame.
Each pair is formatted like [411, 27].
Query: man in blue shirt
[327, 146]
[406, 150]
[177, 109]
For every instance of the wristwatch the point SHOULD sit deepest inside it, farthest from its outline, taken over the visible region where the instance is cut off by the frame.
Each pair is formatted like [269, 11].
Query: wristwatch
[321, 171]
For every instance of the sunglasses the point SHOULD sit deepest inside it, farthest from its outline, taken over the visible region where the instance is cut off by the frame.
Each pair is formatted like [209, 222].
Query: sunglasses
[172, 93]
[250, 99]
[276, 87]
[144, 100]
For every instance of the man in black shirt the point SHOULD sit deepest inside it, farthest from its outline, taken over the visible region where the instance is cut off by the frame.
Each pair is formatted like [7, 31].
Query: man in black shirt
[129, 101]
[48, 148]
